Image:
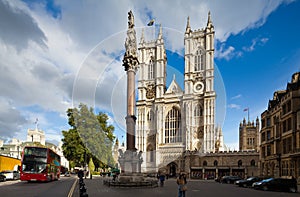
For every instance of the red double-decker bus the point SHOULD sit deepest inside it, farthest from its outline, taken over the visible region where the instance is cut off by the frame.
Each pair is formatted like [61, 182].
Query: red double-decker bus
[39, 164]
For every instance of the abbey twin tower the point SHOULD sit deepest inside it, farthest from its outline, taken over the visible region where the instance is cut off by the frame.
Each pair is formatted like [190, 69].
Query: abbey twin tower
[171, 120]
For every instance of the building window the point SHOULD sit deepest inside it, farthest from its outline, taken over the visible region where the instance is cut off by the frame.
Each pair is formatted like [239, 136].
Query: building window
[268, 135]
[289, 145]
[283, 109]
[268, 122]
[268, 150]
[151, 69]
[263, 136]
[284, 126]
[263, 152]
[204, 163]
[215, 163]
[289, 124]
[240, 163]
[252, 163]
[263, 123]
[250, 141]
[199, 60]
[284, 146]
[172, 127]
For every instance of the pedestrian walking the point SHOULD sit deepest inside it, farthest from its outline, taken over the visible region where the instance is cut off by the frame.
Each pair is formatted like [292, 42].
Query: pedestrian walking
[182, 188]
[162, 179]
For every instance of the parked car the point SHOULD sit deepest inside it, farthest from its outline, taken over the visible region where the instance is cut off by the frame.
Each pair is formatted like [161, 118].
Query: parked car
[67, 174]
[248, 182]
[11, 175]
[230, 179]
[2, 177]
[277, 184]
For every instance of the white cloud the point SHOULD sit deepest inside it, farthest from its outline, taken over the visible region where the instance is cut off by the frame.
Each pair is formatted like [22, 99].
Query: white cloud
[227, 53]
[254, 43]
[233, 106]
[39, 66]
[236, 97]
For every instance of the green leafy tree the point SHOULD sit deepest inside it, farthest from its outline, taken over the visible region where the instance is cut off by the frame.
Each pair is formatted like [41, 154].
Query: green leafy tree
[91, 165]
[89, 137]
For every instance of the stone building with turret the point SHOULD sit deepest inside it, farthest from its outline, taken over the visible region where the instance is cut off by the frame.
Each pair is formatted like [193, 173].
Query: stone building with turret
[249, 135]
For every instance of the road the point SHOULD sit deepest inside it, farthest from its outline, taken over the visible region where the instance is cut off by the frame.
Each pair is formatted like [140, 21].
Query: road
[196, 188]
[37, 189]
[96, 188]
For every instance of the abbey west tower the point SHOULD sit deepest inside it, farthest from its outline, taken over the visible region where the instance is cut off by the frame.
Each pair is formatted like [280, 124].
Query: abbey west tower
[171, 120]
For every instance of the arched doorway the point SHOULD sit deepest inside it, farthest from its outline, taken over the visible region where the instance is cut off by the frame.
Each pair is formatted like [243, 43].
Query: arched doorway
[172, 169]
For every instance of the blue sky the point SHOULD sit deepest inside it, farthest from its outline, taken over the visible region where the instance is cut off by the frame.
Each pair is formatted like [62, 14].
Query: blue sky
[269, 56]
[67, 46]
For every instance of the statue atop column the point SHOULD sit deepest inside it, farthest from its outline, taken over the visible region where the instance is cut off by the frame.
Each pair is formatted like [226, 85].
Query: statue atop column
[130, 44]
[130, 161]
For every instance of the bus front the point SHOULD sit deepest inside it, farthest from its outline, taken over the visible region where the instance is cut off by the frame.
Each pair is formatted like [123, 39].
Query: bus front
[34, 164]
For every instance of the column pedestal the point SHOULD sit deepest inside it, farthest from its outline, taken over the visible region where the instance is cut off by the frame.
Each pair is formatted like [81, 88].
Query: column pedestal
[130, 161]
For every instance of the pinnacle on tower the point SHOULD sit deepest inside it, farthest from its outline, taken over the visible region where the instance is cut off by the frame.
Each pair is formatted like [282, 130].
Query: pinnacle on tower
[188, 27]
[209, 21]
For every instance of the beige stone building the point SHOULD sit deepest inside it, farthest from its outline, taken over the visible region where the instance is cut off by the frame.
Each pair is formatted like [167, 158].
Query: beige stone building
[280, 132]
[249, 135]
[215, 164]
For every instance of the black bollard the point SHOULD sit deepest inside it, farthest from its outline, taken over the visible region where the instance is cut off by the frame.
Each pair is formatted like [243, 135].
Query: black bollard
[82, 189]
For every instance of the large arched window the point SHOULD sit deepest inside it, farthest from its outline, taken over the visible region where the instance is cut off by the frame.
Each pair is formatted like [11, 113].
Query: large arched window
[172, 127]
[151, 70]
[199, 60]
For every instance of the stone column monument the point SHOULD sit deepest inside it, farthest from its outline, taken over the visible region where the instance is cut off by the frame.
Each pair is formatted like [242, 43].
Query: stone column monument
[130, 161]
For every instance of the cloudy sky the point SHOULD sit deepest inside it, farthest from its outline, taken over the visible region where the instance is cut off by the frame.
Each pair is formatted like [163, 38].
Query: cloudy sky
[55, 54]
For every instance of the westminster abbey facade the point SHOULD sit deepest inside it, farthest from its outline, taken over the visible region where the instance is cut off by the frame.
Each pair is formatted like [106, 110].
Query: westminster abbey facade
[171, 120]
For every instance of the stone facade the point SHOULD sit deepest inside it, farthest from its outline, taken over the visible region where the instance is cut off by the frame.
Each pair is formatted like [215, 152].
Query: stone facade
[280, 133]
[249, 135]
[171, 120]
[212, 165]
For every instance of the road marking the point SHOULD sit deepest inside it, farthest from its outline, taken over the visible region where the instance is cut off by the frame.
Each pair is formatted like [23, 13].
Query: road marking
[72, 188]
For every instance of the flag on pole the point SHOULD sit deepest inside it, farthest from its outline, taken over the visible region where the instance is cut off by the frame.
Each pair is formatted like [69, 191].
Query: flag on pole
[246, 109]
[151, 22]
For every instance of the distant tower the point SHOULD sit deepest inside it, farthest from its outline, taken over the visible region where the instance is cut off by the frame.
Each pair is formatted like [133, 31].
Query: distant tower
[115, 153]
[35, 135]
[249, 135]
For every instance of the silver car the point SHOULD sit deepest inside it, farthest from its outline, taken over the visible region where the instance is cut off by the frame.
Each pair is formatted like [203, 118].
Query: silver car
[11, 175]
